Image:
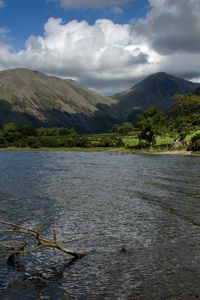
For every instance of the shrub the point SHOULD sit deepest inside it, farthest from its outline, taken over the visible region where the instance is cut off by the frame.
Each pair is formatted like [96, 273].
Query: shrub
[77, 141]
[110, 141]
[195, 143]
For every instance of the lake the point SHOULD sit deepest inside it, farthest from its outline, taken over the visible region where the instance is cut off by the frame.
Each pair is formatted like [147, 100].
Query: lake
[98, 202]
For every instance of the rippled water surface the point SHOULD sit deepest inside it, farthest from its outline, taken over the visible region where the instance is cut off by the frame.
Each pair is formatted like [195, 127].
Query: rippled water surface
[97, 203]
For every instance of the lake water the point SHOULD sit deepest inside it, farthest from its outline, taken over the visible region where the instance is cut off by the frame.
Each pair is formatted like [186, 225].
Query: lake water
[97, 203]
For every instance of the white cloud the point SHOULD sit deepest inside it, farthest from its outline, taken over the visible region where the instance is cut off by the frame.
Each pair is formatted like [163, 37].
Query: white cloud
[90, 53]
[89, 3]
[110, 57]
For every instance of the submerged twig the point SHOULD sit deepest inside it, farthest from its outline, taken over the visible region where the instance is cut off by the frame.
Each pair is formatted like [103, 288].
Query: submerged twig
[23, 247]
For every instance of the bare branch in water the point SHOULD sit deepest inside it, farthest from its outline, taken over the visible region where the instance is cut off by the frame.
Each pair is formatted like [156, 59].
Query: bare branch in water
[23, 246]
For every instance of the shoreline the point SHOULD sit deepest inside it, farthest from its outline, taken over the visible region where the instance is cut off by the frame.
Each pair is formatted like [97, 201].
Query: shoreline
[121, 151]
[178, 152]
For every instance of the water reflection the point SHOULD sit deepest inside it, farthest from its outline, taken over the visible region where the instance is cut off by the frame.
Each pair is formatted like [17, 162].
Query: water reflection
[99, 202]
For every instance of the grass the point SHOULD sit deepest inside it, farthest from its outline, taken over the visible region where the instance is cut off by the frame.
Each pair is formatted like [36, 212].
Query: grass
[130, 141]
[164, 140]
[160, 140]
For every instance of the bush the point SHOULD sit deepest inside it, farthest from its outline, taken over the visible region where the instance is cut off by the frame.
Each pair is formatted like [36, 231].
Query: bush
[55, 131]
[14, 132]
[23, 143]
[110, 141]
[195, 143]
[77, 141]
[2, 142]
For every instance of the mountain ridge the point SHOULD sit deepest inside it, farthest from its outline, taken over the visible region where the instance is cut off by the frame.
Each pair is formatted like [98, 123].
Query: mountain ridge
[29, 96]
[155, 90]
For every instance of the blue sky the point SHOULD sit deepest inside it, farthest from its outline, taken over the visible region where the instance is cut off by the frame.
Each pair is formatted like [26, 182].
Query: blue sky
[107, 45]
[27, 17]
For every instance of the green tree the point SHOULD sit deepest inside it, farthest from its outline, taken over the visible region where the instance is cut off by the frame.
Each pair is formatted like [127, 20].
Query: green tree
[150, 123]
[123, 128]
[184, 116]
[55, 131]
[11, 133]
[152, 118]
[187, 104]
[195, 143]
[147, 134]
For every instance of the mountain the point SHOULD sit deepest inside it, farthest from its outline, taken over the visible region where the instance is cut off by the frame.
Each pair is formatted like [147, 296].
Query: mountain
[155, 90]
[32, 97]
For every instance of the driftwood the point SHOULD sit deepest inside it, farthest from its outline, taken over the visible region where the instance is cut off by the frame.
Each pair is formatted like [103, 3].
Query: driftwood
[23, 246]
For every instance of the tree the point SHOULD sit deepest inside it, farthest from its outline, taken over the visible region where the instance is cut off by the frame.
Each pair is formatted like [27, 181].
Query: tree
[148, 135]
[115, 129]
[152, 118]
[55, 131]
[123, 128]
[195, 143]
[150, 124]
[126, 127]
[187, 104]
[184, 115]
[11, 132]
[14, 132]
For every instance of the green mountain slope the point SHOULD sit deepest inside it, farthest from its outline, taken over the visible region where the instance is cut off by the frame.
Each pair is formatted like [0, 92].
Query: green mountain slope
[30, 96]
[155, 90]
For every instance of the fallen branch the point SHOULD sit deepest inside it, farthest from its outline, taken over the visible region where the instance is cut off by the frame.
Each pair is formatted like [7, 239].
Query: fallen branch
[23, 246]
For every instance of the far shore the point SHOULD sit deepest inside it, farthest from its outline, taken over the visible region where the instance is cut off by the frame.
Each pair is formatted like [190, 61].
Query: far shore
[178, 152]
[108, 150]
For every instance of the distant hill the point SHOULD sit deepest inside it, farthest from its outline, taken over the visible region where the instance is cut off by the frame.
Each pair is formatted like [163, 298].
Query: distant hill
[155, 90]
[32, 97]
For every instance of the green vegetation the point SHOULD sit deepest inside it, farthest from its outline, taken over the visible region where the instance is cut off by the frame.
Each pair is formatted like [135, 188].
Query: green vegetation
[172, 128]
[55, 131]
[25, 136]
[195, 143]
[184, 116]
[123, 128]
[177, 128]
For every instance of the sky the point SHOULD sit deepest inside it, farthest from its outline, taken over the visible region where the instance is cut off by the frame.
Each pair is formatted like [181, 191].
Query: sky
[107, 45]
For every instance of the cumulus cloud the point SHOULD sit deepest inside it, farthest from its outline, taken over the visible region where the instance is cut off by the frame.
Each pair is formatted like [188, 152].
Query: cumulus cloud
[110, 57]
[101, 52]
[89, 3]
[172, 30]
[172, 26]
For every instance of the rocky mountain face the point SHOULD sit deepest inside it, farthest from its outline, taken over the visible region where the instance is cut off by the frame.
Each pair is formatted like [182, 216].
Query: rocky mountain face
[156, 90]
[32, 97]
